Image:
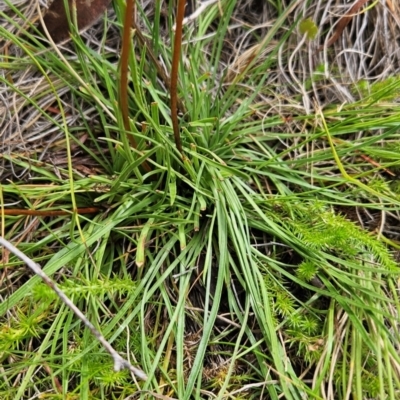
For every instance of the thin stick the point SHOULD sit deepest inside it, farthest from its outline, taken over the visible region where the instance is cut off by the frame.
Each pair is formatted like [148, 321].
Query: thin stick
[119, 362]
[174, 73]
[123, 92]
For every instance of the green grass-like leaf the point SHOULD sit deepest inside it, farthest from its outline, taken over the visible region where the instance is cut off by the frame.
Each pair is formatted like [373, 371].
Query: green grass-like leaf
[260, 264]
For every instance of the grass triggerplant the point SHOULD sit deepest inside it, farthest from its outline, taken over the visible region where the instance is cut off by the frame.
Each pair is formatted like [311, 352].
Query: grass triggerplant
[258, 262]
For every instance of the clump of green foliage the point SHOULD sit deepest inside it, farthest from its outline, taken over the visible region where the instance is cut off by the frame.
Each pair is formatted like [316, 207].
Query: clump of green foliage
[241, 269]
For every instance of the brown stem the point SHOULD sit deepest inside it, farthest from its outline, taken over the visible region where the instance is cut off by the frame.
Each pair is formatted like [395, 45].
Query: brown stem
[123, 97]
[174, 72]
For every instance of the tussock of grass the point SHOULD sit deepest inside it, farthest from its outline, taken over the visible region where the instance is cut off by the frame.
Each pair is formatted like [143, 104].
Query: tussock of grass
[263, 264]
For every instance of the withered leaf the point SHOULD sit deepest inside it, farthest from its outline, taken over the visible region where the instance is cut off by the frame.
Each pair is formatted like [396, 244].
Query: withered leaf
[343, 22]
[87, 13]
